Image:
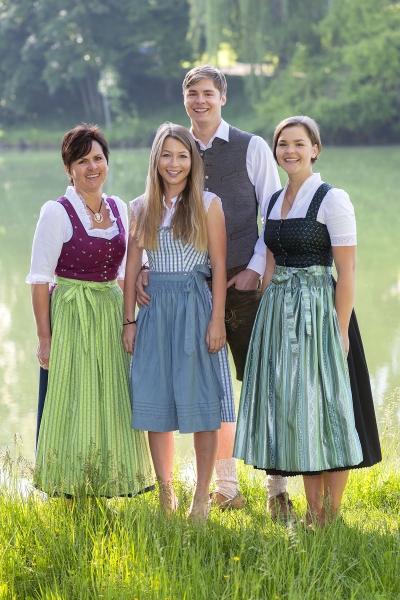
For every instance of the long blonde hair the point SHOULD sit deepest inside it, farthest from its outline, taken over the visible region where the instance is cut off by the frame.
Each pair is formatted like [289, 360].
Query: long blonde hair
[189, 221]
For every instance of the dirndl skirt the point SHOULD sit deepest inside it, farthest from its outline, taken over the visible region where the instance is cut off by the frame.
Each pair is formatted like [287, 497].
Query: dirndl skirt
[175, 381]
[86, 443]
[296, 409]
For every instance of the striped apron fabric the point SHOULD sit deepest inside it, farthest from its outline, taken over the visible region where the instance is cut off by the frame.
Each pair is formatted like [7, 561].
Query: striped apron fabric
[171, 352]
[296, 411]
[86, 444]
[173, 256]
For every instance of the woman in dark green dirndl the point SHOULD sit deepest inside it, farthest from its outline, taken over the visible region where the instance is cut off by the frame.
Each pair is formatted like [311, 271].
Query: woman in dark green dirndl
[300, 410]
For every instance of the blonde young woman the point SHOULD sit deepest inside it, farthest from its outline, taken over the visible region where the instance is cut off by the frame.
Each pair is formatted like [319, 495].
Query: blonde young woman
[306, 405]
[176, 376]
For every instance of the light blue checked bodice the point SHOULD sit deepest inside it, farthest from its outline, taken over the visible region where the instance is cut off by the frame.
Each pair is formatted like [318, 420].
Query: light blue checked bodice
[173, 256]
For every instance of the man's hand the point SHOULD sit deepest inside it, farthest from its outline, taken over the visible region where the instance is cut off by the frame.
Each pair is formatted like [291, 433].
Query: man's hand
[245, 280]
[141, 282]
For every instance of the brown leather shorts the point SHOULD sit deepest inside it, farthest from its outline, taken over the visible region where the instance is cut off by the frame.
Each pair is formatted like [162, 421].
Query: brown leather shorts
[240, 311]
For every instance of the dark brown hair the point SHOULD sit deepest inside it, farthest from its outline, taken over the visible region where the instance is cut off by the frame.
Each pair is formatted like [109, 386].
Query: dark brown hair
[77, 143]
[309, 125]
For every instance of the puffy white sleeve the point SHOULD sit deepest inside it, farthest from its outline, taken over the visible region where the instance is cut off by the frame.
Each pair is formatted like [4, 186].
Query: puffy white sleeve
[51, 232]
[263, 174]
[123, 212]
[337, 213]
[208, 197]
[135, 206]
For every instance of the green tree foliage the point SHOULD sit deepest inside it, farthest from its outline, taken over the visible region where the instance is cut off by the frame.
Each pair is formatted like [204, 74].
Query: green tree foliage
[262, 33]
[351, 87]
[17, 26]
[152, 44]
[337, 60]
[53, 52]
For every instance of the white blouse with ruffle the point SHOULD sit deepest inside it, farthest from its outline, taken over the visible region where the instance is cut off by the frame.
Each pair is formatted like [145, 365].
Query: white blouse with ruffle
[54, 229]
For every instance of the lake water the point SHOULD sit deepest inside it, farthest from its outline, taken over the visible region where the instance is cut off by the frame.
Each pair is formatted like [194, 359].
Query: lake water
[27, 179]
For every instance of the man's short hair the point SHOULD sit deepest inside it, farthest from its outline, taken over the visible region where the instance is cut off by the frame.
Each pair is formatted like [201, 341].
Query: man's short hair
[205, 72]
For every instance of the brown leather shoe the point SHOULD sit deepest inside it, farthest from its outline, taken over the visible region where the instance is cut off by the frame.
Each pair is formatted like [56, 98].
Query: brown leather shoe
[223, 503]
[281, 509]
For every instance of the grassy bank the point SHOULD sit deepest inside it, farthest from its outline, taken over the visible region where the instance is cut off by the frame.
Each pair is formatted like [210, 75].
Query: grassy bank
[129, 132]
[125, 549]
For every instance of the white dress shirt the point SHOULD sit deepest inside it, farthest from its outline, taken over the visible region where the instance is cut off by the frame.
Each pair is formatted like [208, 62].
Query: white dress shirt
[54, 229]
[336, 211]
[263, 174]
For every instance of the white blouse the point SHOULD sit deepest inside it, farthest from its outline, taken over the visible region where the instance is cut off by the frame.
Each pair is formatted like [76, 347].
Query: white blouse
[169, 212]
[336, 211]
[54, 229]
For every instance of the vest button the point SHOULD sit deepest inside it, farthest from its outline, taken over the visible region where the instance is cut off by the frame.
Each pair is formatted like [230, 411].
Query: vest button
[206, 177]
[206, 189]
[201, 153]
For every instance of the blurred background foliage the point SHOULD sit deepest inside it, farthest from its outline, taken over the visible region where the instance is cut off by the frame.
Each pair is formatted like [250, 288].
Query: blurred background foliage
[121, 63]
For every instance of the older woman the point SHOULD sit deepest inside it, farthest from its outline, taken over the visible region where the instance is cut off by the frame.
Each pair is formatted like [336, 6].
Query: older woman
[305, 408]
[85, 444]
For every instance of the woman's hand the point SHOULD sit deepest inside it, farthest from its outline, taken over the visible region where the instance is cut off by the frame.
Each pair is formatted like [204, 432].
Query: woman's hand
[346, 343]
[43, 352]
[216, 335]
[41, 311]
[269, 270]
[345, 261]
[128, 337]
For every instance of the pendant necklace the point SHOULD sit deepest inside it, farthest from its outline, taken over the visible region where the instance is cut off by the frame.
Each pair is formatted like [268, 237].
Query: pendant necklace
[288, 201]
[98, 217]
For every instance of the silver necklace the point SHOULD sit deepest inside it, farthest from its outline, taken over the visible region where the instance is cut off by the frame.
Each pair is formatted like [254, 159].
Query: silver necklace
[288, 201]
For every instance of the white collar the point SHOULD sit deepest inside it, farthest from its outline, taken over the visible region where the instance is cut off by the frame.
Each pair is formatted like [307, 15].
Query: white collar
[81, 208]
[221, 133]
[71, 195]
[310, 182]
[173, 202]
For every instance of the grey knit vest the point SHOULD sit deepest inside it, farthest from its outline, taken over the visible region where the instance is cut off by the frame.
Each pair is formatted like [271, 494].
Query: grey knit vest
[226, 176]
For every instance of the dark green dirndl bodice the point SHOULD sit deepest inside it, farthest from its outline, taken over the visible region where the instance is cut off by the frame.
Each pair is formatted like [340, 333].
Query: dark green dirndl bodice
[300, 242]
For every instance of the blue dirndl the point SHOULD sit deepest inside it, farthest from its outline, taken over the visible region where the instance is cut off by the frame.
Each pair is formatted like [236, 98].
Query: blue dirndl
[175, 381]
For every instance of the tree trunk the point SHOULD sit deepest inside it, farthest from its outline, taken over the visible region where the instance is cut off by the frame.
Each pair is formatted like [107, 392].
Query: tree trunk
[168, 87]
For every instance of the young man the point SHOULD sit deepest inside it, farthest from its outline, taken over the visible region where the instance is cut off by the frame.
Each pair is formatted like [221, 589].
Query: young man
[240, 169]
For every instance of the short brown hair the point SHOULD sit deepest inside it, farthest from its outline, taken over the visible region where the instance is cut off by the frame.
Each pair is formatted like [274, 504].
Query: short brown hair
[77, 143]
[205, 72]
[309, 125]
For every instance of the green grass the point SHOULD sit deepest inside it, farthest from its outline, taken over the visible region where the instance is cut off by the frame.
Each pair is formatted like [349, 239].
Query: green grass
[124, 548]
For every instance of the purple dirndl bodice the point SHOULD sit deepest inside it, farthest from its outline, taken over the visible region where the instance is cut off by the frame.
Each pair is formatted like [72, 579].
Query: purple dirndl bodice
[90, 258]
